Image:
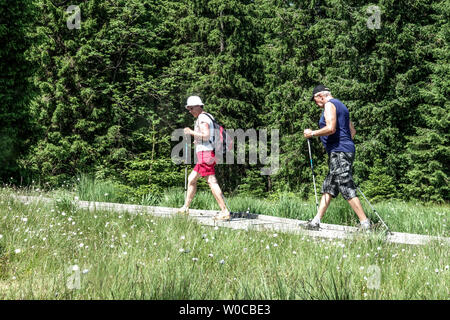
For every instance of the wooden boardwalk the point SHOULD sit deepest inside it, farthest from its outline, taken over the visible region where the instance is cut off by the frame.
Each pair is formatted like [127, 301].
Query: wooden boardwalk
[252, 222]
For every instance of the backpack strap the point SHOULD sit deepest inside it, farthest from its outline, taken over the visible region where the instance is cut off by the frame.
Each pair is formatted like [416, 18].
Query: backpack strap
[209, 116]
[213, 121]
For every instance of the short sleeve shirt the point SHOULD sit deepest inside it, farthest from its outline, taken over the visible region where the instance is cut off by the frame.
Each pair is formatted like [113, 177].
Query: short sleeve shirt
[204, 144]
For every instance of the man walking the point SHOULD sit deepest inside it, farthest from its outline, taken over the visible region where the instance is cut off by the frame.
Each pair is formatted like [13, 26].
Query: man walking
[336, 133]
[203, 136]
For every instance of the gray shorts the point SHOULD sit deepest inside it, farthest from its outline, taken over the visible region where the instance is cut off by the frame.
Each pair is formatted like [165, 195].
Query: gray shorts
[339, 178]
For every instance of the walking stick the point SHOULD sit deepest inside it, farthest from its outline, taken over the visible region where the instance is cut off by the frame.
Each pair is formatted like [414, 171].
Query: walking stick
[185, 173]
[314, 179]
[384, 224]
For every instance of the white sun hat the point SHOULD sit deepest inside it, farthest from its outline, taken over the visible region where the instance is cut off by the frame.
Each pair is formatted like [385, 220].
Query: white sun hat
[194, 101]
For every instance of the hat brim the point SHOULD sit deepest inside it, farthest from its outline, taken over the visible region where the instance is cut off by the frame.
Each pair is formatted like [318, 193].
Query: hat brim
[197, 105]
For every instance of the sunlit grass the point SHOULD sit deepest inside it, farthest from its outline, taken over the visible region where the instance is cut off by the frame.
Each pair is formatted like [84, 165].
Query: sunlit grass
[137, 256]
[400, 216]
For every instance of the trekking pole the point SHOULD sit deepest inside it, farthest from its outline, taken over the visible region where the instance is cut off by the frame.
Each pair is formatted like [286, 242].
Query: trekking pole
[185, 173]
[314, 179]
[226, 203]
[384, 224]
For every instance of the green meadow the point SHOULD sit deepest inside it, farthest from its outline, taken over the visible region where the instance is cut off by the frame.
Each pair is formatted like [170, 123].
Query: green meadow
[58, 251]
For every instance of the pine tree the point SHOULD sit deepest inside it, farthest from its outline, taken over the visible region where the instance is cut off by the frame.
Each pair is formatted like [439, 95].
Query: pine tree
[16, 19]
[99, 85]
[428, 149]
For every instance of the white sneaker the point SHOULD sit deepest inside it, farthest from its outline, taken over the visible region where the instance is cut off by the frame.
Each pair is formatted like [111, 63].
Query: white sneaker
[183, 210]
[310, 225]
[223, 216]
[365, 225]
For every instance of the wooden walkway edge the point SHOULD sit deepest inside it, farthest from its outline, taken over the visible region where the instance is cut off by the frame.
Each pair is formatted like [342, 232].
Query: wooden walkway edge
[255, 222]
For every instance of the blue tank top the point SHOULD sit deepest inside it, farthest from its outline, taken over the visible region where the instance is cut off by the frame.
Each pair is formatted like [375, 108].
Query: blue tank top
[341, 140]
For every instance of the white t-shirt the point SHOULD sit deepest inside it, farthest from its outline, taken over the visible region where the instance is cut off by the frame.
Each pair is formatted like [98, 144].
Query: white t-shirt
[204, 144]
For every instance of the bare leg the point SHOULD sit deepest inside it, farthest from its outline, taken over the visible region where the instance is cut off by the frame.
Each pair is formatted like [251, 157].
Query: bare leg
[192, 188]
[324, 203]
[216, 191]
[356, 206]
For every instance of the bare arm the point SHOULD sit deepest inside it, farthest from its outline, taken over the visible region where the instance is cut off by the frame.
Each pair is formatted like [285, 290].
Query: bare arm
[204, 131]
[330, 119]
[203, 134]
[352, 130]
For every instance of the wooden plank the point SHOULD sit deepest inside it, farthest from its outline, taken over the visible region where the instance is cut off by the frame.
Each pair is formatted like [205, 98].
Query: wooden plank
[258, 222]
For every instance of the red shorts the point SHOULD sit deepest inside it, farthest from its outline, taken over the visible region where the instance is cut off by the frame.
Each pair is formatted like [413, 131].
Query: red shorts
[206, 162]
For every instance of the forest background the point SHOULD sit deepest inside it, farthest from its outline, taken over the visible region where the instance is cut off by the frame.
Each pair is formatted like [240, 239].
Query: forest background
[98, 90]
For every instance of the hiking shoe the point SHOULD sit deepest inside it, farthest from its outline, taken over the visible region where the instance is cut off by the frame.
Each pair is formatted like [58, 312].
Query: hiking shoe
[223, 216]
[311, 226]
[365, 226]
[183, 210]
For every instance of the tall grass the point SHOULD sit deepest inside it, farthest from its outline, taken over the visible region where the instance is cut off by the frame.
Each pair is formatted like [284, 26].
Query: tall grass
[400, 216]
[137, 256]
[88, 188]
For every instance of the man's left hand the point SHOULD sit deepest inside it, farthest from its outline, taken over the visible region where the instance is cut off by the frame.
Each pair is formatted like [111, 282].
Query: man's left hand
[307, 133]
